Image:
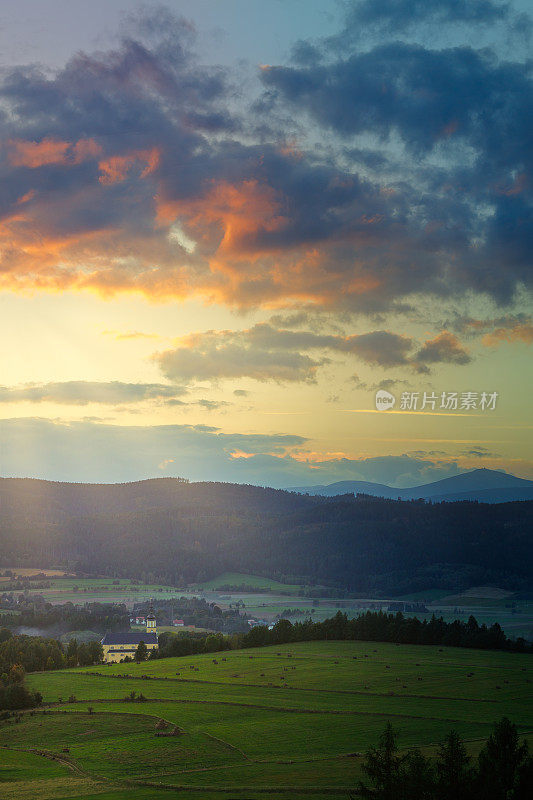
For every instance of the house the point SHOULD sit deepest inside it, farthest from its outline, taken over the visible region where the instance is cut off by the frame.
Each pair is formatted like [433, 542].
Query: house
[140, 620]
[117, 646]
[178, 623]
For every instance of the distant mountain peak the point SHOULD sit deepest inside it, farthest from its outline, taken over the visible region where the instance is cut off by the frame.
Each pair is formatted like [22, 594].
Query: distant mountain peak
[476, 484]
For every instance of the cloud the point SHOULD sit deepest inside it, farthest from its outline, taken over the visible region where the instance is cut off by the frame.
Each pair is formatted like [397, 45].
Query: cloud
[123, 335]
[50, 151]
[479, 452]
[265, 353]
[386, 383]
[395, 16]
[206, 360]
[212, 405]
[444, 348]
[381, 348]
[473, 326]
[116, 168]
[80, 393]
[99, 452]
[134, 170]
[521, 332]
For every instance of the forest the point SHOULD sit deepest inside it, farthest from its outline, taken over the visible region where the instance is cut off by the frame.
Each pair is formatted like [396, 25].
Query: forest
[181, 533]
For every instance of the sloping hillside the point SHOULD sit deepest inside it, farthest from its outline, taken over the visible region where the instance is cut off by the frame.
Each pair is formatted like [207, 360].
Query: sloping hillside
[180, 532]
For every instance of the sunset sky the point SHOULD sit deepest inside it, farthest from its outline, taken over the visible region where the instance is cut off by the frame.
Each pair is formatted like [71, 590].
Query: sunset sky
[225, 224]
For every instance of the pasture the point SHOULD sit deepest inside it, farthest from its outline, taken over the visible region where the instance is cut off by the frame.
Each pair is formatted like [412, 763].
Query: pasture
[282, 721]
[255, 581]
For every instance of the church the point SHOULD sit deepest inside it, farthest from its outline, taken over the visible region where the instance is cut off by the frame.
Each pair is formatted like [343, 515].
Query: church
[117, 646]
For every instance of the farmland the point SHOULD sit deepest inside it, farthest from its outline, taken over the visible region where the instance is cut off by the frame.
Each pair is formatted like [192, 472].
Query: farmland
[285, 721]
[266, 599]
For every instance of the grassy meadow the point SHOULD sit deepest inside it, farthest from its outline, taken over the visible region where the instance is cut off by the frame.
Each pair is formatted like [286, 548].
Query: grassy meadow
[279, 721]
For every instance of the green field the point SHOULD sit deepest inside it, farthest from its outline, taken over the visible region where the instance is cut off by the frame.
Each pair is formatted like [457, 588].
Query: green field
[239, 579]
[99, 590]
[279, 721]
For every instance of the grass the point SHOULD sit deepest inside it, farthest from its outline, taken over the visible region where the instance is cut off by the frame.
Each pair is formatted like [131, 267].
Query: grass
[239, 579]
[280, 721]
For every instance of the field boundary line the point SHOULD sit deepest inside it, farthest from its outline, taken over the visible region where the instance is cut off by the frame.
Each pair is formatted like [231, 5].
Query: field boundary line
[281, 709]
[281, 686]
[228, 745]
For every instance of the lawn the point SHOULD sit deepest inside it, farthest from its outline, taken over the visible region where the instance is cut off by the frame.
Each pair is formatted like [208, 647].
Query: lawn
[280, 721]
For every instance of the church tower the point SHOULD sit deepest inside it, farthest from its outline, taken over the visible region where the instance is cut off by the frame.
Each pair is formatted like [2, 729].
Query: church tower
[150, 620]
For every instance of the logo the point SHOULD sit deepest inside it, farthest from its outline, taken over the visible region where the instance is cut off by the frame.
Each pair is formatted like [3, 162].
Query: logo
[384, 400]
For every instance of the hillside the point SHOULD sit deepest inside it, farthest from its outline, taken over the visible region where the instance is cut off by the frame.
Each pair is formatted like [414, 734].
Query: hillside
[180, 533]
[481, 485]
[288, 721]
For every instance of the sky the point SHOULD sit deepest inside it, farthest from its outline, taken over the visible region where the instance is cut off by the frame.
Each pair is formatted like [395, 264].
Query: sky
[226, 225]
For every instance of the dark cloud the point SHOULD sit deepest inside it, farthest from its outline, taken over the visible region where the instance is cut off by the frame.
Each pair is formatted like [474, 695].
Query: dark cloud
[444, 348]
[135, 170]
[381, 348]
[474, 326]
[425, 96]
[396, 16]
[477, 203]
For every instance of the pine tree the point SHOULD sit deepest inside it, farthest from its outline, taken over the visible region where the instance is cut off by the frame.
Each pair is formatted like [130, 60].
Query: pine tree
[417, 780]
[454, 776]
[504, 764]
[382, 766]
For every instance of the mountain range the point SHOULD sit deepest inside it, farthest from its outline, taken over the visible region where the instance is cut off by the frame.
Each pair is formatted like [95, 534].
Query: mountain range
[481, 485]
[167, 530]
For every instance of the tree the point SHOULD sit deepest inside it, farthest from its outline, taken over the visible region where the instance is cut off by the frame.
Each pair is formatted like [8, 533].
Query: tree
[95, 652]
[382, 766]
[416, 777]
[141, 653]
[72, 653]
[504, 764]
[16, 674]
[454, 775]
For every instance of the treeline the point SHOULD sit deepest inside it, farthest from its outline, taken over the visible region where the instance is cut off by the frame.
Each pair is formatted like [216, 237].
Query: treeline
[379, 626]
[36, 654]
[502, 771]
[13, 693]
[34, 612]
[362, 544]
[373, 626]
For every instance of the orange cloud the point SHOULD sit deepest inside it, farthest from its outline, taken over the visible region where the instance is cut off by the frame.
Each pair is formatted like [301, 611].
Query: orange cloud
[242, 211]
[115, 169]
[26, 197]
[523, 332]
[50, 151]
[240, 227]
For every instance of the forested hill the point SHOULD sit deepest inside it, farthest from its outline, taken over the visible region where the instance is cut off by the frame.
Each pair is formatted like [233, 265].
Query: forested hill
[181, 532]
